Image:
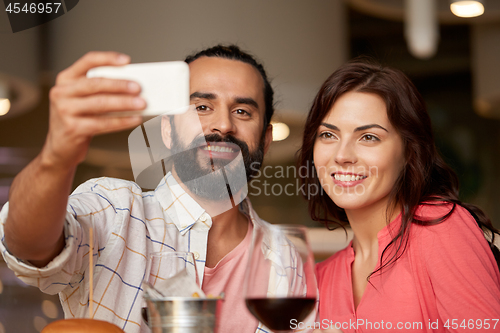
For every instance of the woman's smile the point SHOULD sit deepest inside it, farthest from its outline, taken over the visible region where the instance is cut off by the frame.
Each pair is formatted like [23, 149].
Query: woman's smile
[357, 153]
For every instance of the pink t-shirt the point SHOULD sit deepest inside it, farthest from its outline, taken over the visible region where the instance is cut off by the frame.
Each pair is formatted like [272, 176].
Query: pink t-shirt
[228, 276]
[446, 281]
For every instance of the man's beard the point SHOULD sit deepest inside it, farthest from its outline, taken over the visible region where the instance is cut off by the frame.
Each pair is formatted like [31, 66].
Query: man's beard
[213, 178]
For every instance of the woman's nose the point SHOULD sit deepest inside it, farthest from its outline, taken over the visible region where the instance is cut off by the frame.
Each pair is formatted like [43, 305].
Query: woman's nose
[345, 153]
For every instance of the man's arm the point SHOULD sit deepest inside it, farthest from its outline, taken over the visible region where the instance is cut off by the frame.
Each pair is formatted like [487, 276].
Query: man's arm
[79, 109]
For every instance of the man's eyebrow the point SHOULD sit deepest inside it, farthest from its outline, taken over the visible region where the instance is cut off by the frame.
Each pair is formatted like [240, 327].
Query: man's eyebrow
[357, 129]
[198, 94]
[211, 96]
[247, 100]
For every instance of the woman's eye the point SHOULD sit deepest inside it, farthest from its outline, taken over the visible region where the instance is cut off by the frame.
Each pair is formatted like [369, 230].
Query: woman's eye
[369, 137]
[326, 135]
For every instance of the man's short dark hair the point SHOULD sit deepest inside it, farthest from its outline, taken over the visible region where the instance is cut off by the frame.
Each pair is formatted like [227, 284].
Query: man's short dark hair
[233, 52]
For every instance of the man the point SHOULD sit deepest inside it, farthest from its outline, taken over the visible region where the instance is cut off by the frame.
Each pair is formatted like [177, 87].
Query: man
[45, 235]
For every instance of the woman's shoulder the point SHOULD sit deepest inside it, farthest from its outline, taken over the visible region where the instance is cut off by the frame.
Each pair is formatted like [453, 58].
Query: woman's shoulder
[455, 260]
[445, 217]
[458, 232]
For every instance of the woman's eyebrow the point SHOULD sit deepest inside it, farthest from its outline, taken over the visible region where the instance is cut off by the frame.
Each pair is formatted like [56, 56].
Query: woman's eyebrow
[357, 129]
[330, 126]
[365, 127]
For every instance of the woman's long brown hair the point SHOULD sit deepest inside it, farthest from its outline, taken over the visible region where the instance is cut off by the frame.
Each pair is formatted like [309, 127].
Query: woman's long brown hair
[425, 177]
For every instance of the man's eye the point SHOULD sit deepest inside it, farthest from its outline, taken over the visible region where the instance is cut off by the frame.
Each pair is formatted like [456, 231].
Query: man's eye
[242, 112]
[202, 108]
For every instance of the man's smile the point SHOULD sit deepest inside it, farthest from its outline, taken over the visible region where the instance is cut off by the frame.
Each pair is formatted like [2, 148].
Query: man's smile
[220, 150]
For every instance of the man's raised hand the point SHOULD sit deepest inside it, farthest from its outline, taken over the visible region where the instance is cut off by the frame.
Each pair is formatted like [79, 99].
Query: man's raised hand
[82, 107]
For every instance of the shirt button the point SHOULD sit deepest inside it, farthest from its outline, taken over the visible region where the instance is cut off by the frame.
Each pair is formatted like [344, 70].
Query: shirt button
[203, 217]
[196, 255]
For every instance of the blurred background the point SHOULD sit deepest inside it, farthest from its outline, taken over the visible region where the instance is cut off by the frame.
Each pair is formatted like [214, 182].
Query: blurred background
[455, 63]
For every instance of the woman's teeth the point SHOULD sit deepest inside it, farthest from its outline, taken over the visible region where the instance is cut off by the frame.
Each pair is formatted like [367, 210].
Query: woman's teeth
[347, 178]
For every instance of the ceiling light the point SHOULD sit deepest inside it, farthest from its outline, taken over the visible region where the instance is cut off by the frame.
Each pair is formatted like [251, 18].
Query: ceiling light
[4, 98]
[17, 96]
[280, 131]
[4, 106]
[467, 8]
[421, 28]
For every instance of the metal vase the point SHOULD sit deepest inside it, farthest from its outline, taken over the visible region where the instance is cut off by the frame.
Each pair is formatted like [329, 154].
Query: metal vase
[182, 315]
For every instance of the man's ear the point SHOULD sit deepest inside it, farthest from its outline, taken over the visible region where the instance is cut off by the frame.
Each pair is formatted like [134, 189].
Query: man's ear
[166, 131]
[269, 138]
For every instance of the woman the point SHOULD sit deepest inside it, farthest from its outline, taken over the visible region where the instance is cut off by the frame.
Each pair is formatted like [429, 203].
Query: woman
[419, 260]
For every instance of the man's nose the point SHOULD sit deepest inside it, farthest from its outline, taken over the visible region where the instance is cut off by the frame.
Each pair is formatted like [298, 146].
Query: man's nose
[222, 122]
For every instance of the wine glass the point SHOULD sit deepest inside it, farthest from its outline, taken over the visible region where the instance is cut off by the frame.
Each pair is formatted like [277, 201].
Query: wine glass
[280, 285]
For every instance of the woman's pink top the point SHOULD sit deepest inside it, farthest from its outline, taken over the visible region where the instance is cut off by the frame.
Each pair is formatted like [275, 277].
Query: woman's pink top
[446, 281]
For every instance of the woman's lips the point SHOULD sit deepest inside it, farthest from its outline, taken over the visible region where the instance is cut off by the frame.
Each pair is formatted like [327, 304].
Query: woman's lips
[347, 179]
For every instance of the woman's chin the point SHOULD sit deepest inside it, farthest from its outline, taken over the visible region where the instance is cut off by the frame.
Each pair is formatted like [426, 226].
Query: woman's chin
[349, 202]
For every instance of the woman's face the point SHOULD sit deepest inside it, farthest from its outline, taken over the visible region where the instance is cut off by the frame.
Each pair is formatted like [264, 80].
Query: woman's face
[358, 154]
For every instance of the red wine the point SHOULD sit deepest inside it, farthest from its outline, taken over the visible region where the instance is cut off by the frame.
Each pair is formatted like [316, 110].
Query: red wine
[276, 313]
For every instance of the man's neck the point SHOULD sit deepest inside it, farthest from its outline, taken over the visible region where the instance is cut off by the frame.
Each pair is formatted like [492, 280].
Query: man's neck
[212, 207]
[229, 225]
[227, 231]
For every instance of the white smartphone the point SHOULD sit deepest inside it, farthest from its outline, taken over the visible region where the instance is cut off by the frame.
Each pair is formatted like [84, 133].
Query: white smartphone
[165, 85]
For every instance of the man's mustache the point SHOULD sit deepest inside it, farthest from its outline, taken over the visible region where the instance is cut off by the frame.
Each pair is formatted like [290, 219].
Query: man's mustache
[202, 140]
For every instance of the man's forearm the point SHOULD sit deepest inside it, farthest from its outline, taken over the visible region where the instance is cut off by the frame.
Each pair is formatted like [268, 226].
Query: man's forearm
[80, 108]
[37, 208]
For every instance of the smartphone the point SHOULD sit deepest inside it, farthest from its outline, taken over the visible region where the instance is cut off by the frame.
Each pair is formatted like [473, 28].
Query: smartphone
[165, 85]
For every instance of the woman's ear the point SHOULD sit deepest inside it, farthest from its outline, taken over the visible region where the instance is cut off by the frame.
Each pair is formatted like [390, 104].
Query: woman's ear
[166, 131]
